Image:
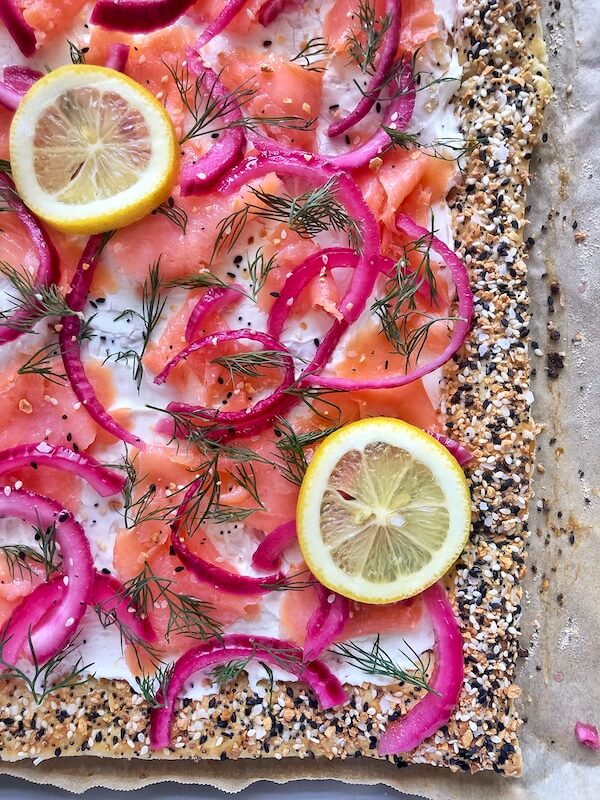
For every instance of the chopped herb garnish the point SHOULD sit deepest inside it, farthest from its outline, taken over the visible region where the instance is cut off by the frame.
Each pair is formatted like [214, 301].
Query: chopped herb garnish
[404, 325]
[291, 445]
[188, 616]
[308, 214]
[313, 54]
[33, 301]
[153, 304]
[363, 48]
[209, 108]
[174, 213]
[43, 362]
[377, 662]
[46, 678]
[248, 364]
[77, 53]
[258, 271]
[153, 688]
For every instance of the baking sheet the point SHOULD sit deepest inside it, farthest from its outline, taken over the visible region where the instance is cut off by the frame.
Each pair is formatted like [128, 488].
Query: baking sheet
[561, 623]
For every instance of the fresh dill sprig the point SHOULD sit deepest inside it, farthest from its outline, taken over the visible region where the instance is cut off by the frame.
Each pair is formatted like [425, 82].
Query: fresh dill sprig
[244, 475]
[247, 364]
[313, 54]
[205, 105]
[46, 539]
[33, 301]
[209, 109]
[291, 445]
[205, 279]
[77, 54]
[397, 309]
[138, 508]
[377, 661]
[258, 271]
[174, 213]
[5, 166]
[45, 678]
[188, 616]
[446, 148]
[313, 398]
[43, 362]
[108, 618]
[222, 514]
[230, 671]
[363, 48]
[204, 504]
[152, 687]
[86, 330]
[153, 304]
[296, 581]
[18, 557]
[104, 240]
[308, 214]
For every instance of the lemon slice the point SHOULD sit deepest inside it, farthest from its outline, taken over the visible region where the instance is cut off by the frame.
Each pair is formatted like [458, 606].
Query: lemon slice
[91, 149]
[383, 512]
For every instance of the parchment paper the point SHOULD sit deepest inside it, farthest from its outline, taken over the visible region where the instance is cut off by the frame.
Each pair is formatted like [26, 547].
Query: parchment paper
[561, 623]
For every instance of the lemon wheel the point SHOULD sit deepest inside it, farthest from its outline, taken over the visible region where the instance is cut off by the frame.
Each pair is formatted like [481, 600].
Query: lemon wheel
[91, 149]
[383, 512]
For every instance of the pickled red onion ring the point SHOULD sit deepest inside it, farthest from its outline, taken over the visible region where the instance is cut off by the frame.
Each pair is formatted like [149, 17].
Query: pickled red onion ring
[52, 632]
[238, 646]
[45, 251]
[105, 481]
[387, 54]
[434, 709]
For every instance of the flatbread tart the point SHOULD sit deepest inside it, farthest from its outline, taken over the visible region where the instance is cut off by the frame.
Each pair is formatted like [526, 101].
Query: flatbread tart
[264, 324]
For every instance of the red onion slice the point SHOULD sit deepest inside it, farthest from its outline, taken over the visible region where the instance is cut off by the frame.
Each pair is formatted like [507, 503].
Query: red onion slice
[261, 407]
[219, 578]
[70, 349]
[458, 450]
[83, 389]
[201, 174]
[216, 576]
[20, 30]
[138, 16]
[268, 553]
[84, 273]
[41, 603]
[103, 480]
[398, 115]
[587, 735]
[460, 330]
[54, 631]
[47, 256]
[387, 54]
[316, 171]
[276, 652]
[231, 8]
[21, 78]
[108, 596]
[118, 55]
[271, 9]
[325, 623]
[213, 299]
[17, 81]
[433, 710]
